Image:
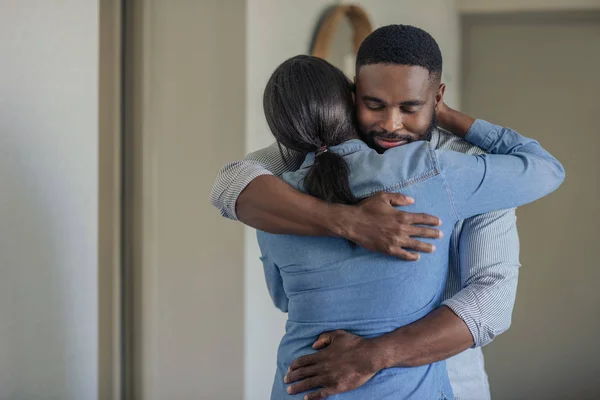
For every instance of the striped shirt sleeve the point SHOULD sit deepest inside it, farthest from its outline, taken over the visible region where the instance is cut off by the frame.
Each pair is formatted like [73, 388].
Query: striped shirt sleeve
[488, 259]
[235, 176]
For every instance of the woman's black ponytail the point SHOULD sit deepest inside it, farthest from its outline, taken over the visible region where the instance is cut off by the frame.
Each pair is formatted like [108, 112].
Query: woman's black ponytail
[309, 107]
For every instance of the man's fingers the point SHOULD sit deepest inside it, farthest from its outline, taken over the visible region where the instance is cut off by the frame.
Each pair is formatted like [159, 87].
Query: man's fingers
[324, 340]
[321, 394]
[398, 199]
[417, 245]
[422, 232]
[304, 361]
[422, 219]
[300, 374]
[305, 385]
[403, 254]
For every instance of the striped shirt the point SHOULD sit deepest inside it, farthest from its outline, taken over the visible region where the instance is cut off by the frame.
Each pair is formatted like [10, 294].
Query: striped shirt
[483, 266]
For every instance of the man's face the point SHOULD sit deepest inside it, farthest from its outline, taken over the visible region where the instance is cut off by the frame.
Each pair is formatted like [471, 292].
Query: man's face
[395, 104]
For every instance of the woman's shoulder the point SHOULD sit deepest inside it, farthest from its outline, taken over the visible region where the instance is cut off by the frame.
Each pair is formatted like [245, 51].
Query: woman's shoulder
[397, 167]
[415, 157]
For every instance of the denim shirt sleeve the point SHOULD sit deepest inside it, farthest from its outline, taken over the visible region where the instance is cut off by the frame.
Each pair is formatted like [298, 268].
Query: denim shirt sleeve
[516, 172]
[235, 176]
[273, 277]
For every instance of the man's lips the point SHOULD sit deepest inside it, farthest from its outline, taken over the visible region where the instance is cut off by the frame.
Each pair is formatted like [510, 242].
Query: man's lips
[389, 143]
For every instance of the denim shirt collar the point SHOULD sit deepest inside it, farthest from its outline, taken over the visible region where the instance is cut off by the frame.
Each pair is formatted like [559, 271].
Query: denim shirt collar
[354, 145]
[343, 149]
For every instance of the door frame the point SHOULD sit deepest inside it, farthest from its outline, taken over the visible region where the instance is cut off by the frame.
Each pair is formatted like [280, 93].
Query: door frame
[110, 201]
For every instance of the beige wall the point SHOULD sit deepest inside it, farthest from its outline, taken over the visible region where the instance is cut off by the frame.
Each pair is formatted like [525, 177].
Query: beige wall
[539, 75]
[49, 199]
[186, 110]
[278, 30]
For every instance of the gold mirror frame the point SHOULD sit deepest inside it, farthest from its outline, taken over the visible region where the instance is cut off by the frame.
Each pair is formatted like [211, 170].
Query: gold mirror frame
[329, 24]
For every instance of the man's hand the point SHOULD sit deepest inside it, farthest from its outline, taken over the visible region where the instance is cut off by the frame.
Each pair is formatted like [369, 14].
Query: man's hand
[346, 362]
[452, 120]
[376, 225]
[442, 112]
[271, 205]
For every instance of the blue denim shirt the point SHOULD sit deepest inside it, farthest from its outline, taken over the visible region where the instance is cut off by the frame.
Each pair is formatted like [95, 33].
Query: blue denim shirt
[326, 284]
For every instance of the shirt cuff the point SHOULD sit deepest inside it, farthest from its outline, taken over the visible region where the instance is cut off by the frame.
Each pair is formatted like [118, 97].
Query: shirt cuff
[483, 134]
[464, 305]
[226, 200]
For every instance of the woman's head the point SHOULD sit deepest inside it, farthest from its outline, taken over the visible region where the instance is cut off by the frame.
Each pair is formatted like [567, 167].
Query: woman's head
[309, 104]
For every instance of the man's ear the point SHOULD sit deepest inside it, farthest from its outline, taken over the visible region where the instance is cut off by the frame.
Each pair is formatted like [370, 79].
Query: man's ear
[439, 97]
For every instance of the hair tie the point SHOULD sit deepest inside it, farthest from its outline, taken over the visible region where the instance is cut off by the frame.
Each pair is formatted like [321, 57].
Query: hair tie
[321, 150]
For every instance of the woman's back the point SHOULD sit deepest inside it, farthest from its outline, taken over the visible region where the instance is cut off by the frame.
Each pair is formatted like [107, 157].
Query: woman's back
[328, 283]
[354, 283]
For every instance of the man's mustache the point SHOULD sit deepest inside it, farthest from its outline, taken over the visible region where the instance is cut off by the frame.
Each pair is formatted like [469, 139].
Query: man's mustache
[390, 135]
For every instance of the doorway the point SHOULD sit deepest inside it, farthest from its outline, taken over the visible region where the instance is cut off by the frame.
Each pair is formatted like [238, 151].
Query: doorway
[539, 74]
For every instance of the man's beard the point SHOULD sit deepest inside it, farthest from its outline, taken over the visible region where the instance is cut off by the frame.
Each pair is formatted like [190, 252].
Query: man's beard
[426, 135]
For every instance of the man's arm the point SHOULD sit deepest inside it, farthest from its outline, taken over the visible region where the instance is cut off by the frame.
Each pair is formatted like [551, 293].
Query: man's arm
[345, 361]
[234, 177]
[251, 191]
[248, 190]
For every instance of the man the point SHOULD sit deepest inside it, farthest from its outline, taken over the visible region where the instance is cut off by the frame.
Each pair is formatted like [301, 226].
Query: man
[398, 85]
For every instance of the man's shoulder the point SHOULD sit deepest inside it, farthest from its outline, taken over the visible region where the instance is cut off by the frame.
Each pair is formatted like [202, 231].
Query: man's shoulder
[444, 140]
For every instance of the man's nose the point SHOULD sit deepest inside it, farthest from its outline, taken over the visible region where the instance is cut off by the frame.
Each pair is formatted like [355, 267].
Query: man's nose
[392, 121]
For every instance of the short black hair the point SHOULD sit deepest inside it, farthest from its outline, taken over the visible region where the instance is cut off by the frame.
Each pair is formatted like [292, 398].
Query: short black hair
[403, 45]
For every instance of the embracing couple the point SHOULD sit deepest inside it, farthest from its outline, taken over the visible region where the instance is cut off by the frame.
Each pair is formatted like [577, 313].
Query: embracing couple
[358, 172]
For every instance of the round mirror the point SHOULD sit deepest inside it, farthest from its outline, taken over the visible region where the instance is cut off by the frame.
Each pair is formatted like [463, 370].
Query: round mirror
[339, 35]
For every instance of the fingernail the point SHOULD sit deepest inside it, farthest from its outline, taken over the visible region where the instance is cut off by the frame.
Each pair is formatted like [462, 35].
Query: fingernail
[440, 234]
[306, 397]
[418, 256]
[439, 221]
[289, 369]
[289, 389]
[410, 199]
[432, 248]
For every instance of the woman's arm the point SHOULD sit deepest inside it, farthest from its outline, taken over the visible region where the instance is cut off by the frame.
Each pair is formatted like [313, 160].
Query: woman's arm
[516, 172]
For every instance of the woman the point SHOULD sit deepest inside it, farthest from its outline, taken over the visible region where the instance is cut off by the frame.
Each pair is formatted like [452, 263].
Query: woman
[327, 283]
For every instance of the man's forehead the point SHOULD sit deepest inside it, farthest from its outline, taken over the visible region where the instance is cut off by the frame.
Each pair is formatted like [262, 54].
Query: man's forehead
[393, 80]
